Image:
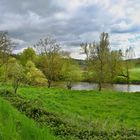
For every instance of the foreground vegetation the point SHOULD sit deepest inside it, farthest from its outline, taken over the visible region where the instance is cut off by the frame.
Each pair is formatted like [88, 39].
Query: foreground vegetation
[16, 126]
[81, 114]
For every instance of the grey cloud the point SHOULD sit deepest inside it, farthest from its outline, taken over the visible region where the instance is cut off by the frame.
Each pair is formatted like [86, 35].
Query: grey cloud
[30, 20]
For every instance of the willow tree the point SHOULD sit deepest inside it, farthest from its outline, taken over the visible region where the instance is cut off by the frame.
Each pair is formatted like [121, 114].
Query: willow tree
[49, 51]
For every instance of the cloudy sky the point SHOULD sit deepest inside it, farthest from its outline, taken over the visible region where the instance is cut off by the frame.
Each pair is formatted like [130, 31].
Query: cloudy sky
[72, 22]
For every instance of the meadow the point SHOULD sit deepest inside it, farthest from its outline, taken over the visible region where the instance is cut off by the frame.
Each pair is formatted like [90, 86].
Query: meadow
[79, 114]
[105, 107]
[135, 75]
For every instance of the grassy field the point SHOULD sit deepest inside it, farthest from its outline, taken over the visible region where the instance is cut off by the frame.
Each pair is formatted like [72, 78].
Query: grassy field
[135, 75]
[16, 126]
[110, 108]
[105, 111]
[83, 114]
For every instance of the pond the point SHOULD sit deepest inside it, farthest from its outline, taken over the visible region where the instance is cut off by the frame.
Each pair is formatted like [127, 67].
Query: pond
[114, 87]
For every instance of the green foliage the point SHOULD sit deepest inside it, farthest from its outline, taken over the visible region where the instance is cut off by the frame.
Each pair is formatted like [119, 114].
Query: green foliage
[134, 77]
[70, 72]
[14, 125]
[101, 61]
[120, 80]
[15, 73]
[116, 64]
[3, 73]
[27, 55]
[34, 76]
[50, 64]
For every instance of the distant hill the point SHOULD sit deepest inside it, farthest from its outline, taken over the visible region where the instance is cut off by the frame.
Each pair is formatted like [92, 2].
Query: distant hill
[82, 63]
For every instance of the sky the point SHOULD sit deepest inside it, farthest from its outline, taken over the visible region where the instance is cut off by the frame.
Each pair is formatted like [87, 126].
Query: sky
[72, 22]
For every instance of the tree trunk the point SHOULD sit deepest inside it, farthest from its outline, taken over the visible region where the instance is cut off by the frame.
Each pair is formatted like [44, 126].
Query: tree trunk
[49, 83]
[69, 85]
[100, 86]
[15, 86]
[127, 72]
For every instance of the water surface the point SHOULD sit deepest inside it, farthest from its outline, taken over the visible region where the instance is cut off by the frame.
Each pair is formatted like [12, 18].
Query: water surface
[114, 87]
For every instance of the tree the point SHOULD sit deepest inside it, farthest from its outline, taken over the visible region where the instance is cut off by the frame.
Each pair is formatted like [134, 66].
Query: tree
[116, 64]
[129, 54]
[15, 73]
[70, 72]
[28, 54]
[49, 51]
[98, 58]
[34, 76]
[6, 46]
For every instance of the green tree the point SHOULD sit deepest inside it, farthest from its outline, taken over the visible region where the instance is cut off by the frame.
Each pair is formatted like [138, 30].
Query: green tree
[34, 76]
[49, 51]
[70, 72]
[27, 55]
[129, 55]
[98, 59]
[116, 64]
[15, 73]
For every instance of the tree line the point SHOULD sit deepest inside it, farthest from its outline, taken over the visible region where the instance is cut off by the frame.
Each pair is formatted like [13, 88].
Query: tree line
[45, 62]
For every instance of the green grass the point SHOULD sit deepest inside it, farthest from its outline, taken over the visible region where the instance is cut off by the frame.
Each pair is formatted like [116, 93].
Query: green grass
[81, 114]
[134, 77]
[16, 126]
[135, 74]
[106, 109]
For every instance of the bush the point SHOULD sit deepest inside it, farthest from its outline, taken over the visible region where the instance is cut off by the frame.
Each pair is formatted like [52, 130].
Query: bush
[120, 80]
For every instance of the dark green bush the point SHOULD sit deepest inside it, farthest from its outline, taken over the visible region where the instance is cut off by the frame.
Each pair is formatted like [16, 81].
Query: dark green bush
[120, 80]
